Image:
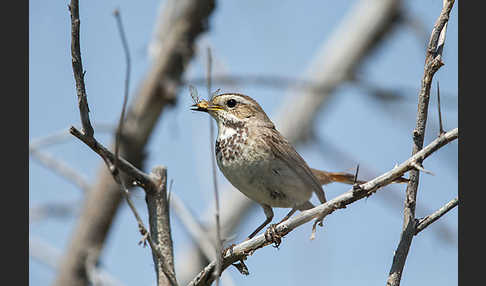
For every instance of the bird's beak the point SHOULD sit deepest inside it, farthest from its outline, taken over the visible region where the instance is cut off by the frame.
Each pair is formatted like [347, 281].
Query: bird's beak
[205, 106]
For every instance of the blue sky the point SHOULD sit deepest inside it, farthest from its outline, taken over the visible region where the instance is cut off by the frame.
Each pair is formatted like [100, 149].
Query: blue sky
[278, 38]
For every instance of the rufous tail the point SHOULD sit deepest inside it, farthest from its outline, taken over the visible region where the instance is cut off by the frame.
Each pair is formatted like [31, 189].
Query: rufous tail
[343, 177]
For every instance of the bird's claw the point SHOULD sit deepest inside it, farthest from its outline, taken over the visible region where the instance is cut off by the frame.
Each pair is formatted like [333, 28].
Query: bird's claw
[272, 236]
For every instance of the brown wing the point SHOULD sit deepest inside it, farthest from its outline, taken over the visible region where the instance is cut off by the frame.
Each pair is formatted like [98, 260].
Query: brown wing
[286, 152]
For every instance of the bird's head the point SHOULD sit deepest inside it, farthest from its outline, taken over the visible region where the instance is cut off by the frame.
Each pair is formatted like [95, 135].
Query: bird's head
[229, 108]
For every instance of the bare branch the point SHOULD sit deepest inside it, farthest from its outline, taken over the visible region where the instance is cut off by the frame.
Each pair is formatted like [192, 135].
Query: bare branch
[425, 222]
[248, 247]
[432, 63]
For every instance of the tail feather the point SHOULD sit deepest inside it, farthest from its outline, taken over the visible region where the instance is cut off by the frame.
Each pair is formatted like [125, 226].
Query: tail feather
[325, 178]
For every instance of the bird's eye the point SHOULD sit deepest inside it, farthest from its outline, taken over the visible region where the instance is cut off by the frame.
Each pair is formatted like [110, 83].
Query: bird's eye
[231, 102]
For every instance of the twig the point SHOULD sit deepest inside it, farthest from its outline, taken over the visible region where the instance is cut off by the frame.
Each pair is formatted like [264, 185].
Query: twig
[219, 246]
[63, 135]
[441, 127]
[143, 180]
[425, 222]
[119, 22]
[246, 248]
[432, 63]
[78, 68]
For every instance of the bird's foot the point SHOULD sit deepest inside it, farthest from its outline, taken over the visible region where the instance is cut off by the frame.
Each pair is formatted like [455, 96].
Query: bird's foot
[272, 236]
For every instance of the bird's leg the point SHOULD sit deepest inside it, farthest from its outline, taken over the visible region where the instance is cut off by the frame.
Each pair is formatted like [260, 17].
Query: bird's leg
[292, 211]
[269, 214]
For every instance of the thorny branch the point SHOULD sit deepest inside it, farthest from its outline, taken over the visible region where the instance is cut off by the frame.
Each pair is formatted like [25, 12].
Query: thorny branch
[241, 251]
[433, 61]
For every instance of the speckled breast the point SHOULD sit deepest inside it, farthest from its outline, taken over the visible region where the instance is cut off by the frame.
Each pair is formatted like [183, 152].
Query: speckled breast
[230, 148]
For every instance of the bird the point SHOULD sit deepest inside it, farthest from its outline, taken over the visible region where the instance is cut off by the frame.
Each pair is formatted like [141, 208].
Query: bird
[259, 161]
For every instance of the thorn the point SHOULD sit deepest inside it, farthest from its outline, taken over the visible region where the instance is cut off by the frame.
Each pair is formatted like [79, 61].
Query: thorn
[313, 233]
[356, 186]
[420, 168]
[441, 127]
[356, 175]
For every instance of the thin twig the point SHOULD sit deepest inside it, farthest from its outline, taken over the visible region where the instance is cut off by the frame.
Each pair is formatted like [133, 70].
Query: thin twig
[441, 127]
[140, 178]
[63, 135]
[219, 246]
[119, 22]
[248, 247]
[425, 222]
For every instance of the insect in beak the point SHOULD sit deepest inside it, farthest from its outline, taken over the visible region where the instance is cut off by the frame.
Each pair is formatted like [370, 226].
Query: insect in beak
[205, 106]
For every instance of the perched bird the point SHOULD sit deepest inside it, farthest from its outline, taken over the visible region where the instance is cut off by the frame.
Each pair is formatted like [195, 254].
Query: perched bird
[259, 161]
